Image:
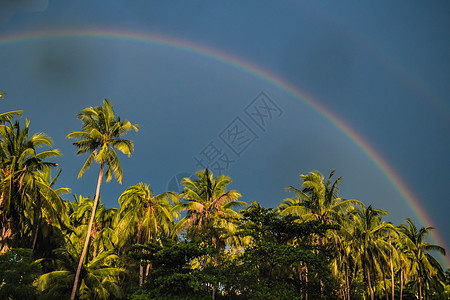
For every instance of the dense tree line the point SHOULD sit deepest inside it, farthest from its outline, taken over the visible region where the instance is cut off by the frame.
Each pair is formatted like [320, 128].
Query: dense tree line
[202, 243]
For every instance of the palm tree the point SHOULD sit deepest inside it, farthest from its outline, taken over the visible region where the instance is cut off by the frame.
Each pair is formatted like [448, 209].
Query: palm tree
[369, 242]
[210, 206]
[46, 202]
[343, 262]
[22, 188]
[210, 211]
[103, 227]
[145, 216]
[423, 266]
[403, 260]
[317, 200]
[101, 134]
[80, 210]
[103, 230]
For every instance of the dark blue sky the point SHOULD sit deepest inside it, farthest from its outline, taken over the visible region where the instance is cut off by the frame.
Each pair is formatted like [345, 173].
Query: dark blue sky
[382, 67]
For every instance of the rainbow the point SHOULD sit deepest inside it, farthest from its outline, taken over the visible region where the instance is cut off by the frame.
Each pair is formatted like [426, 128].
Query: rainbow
[256, 71]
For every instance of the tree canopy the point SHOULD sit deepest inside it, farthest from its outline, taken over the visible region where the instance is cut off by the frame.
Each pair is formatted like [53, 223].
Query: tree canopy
[205, 242]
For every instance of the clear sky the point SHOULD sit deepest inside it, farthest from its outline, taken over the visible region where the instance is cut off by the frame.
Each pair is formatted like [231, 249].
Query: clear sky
[381, 67]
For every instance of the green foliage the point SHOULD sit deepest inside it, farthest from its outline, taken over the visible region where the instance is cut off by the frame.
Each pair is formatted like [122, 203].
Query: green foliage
[315, 244]
[210, 207]
[268, 268]
[172, 274]
[98, 278]
[101, 134]
[18, 272]
[26, 194]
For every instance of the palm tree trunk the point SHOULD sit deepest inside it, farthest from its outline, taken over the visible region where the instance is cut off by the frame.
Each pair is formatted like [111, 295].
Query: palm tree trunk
[385, 287]
[392, 279]
[147, 270]
[141, 272]
[148, 266]
[392, 268]
[6, 235]
[348, 284]
[306, 281]
[88, 233]
[401, 281]
[94, 254]
[370, 285]
[35, 237]
[141, 268]
[420, 289]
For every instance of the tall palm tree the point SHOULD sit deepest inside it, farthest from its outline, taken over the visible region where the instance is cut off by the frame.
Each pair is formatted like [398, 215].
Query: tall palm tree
[210, 210]
[403, 261]
[343, 263]
[101, 134]
[21, 182]
[210, 206]
[103, 230]
[369, 243]
[317, 200]
[46, 202]
[423, 266]
[145, 215]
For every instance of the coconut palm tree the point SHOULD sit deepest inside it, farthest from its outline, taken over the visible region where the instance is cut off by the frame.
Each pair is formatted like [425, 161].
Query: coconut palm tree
[101, 134]
[145, 216]
[46, 202]
[209, 206]
[424, 268]
[404, 264]
[103, 233]
[22, 188]
[210, 210]
[343, 263]
[317, 200]
[369, 244]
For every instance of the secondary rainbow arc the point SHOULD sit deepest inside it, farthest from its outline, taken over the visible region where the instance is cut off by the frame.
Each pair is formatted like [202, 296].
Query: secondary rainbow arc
[248, 67]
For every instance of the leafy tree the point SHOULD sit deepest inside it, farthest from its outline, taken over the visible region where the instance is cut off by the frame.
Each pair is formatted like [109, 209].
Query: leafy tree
[269, 267]
[18, 271]
[173, 273]
[101, 134]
